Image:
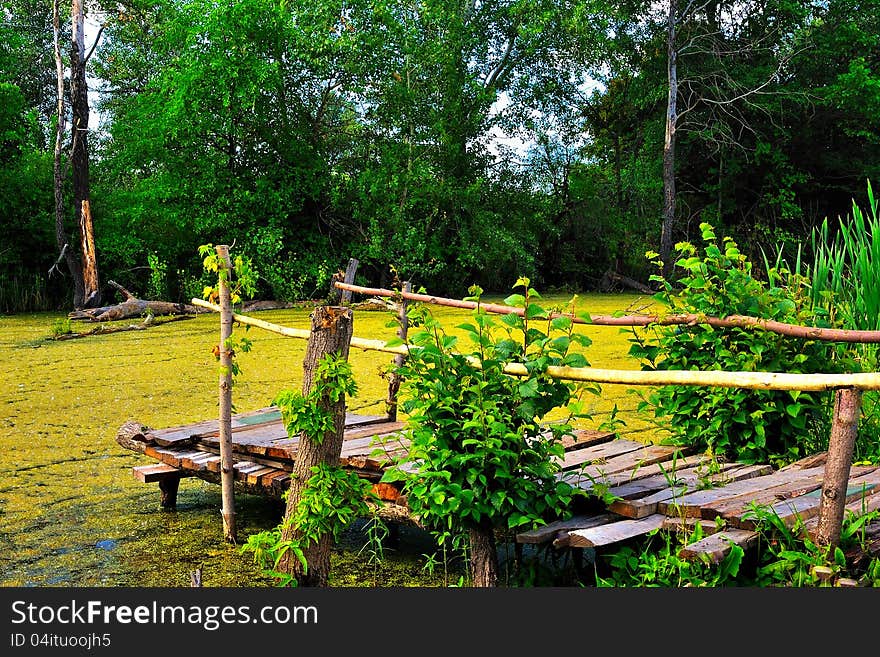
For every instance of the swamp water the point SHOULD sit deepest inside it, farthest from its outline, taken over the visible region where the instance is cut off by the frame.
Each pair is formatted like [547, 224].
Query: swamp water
[72, 514]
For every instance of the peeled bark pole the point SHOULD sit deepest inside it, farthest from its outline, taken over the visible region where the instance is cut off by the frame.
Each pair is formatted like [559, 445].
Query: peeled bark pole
[847, 406]
[394, 383]
[227, 469]
[350, 272]
[331, 332]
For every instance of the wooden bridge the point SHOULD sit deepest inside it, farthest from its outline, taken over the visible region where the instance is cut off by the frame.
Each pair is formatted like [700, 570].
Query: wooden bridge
[653, 486]
[650, 487]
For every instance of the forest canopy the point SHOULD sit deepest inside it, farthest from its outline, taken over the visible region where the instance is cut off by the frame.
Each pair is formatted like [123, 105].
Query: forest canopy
[445, 143]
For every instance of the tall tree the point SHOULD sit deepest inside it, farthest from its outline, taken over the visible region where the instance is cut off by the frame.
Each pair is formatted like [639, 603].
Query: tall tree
[79, 157]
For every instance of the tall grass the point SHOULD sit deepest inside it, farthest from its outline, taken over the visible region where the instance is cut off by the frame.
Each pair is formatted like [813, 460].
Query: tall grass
[25, 293]
[846, 267]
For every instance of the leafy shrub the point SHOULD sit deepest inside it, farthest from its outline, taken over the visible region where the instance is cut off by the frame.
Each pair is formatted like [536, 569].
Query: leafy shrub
[484, 459]
[746, 425]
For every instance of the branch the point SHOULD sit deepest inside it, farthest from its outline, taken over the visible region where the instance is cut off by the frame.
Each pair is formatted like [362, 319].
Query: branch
[128, 295]
[61, 256]
[94, 45]
[496, 73]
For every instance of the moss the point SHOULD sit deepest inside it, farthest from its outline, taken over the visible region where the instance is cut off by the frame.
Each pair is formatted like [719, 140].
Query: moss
[72, 513]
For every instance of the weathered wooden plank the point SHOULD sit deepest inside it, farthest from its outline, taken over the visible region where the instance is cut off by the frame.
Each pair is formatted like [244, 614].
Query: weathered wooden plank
[600, 452]
[157, 472]
[614, 532]
[690, 504]
[858, 507]
[548, 532]
[689, 525]
[213, 463]
[255, 478]
[807, 506]
[586, 438]
[715, 547]
[648, 485]
[660, 501]
[581, 480]
[810, 461]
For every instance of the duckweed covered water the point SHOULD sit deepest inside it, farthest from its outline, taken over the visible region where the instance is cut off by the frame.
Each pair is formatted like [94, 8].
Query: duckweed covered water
[71, 514]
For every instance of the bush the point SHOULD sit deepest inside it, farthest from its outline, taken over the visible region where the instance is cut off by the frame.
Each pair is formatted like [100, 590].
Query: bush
[745, 425]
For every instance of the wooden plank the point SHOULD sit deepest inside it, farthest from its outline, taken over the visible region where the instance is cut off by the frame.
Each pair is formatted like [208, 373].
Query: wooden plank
[548, 532]
[614, 532]
[601, 452]
[690, 504]
[858, 507]
[648, 485]
[578, 479]
[586, 438]
[659, 502]
[715, 547]
[807, 506]
[213, 463]
[689, 525]
[255, 478]
[630, 461]
[156, 472]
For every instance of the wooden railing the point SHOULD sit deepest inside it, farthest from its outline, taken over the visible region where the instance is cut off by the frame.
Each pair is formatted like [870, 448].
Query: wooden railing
[848, 387]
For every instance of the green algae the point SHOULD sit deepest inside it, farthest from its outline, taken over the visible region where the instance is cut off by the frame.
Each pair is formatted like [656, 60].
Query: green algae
[71, 514]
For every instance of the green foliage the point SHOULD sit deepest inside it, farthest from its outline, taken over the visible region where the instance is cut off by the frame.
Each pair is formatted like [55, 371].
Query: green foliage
[331, 499]
[333, 381]
[789, 556]
[482, 453]
[333, 496]
[658, 565]
[745, 425]
[61, 326]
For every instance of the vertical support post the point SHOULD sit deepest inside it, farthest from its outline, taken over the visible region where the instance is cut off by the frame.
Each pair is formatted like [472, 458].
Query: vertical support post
[227, 468]
[847, 406]
[394, 381]
[350, 271]
[168, 488]
[331, 332]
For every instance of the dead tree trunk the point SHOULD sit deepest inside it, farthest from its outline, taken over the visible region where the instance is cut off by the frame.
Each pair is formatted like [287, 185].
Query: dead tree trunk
[79, 157]
[331, 333]
[666, 230]
[65, 251]
[847, 406]
[227, 466]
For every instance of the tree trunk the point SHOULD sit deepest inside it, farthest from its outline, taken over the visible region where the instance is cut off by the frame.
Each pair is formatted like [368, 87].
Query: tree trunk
[484, 558]
[79, 156]
[331, 332]
[65, 251]
[227, 466]
[666, 231]
[845, 426]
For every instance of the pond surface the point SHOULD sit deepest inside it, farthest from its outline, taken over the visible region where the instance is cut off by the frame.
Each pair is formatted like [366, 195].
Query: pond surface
[72, 514]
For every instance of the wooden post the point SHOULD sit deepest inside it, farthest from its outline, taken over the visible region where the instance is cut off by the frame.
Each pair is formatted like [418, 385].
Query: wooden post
[227, 469]
[350, 271]
[331, 333]
[168, 492]
[847, 406]
[394, 382]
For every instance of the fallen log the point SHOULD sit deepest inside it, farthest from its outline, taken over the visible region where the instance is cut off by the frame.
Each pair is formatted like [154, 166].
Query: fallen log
[133, 307]
[103, 330]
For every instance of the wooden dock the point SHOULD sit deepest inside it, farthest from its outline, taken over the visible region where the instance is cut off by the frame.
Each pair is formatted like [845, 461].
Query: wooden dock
[653, 486]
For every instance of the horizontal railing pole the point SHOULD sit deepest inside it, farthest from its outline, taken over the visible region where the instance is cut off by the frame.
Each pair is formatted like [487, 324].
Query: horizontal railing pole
[731, 321]
[712, 378]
